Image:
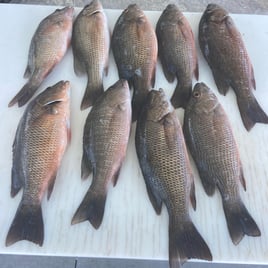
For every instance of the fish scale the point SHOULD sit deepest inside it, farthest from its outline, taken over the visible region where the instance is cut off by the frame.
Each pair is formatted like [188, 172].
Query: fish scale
[211, 142]
[223, 48]
[177, 53]
[91, 43]
[40, 142]
[48, 46]
[168, 177]
[134, 46]
[105, 139]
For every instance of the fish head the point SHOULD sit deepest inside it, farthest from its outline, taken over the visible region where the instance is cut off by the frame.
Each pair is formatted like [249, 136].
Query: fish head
[215, 13]
[172, 12]
[133, 14]
[63, 17]
[203, 100]
[92, 8]
[157, 105]
[54, 100]
[119, 95]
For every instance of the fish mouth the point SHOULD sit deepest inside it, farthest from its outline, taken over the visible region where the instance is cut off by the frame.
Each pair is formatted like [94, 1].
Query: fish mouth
[212, 7]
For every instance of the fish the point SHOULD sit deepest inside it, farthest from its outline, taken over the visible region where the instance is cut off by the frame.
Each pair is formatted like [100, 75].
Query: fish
[41, 139]
[177, 53]
[91, 43]
[105, 139]
[223, 48]
[166, 169]
[211, 142]
[134, 46]
[48, 46]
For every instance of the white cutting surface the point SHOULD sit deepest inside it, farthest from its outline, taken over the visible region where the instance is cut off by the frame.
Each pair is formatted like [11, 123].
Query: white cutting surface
[130, 227]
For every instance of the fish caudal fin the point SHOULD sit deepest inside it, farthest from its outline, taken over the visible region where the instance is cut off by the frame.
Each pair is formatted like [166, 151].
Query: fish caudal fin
[251, 112]
[91, 209]
[181, 95]
[92, 93]
[27, 225]
[185, 243]
[239, 221]
[25, 94]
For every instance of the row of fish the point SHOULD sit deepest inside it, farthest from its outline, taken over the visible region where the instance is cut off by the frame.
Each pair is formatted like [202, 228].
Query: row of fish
[135, 47]
[44, 130]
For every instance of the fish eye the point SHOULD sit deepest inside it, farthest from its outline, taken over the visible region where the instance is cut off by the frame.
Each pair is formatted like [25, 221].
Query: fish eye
[196, 94]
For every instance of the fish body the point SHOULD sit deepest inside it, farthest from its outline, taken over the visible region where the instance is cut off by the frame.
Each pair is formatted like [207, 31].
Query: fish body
[48, 46]
[105, 139]
[211, 142]
[91, 43]
[168, 176]
[134, 46]
[222, 46]
[177, 53]
[41, 139]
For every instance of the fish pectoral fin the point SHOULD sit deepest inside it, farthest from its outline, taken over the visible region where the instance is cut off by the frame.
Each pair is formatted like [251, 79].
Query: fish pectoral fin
[154, 198]
[116, 175]
[51, 185]
[221, 83]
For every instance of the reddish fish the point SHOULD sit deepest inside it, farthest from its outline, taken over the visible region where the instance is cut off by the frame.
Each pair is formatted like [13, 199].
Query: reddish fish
[39, 145]
[48, 46]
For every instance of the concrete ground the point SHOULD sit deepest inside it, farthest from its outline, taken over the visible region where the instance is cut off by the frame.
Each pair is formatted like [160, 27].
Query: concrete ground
[238, 6]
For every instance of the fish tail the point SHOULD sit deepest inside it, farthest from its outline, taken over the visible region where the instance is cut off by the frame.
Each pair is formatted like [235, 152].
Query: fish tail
[91, 209]
[27, 225]
[185, 243]
[92, 93]
[24, 95]
[251, 112]
[181, 95]
[239, 221]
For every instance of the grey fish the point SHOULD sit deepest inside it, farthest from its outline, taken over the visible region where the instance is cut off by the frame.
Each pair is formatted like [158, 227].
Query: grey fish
[134, 46]
[168, 176]
[211, 142]
[41, 139]
[48, 46]
[105, 140]
[222, 46]
[176, 50]
[91, 43]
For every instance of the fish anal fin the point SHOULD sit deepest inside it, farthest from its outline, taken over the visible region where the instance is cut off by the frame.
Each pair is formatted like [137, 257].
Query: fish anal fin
[242, 179]
[208, 182]
[86, 166]
[154, 198]
[51, 185]
[79, 67]
[222, 84]
[192, 194]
